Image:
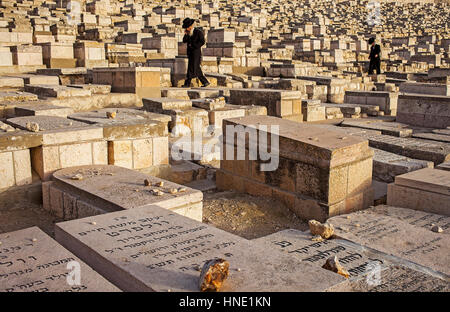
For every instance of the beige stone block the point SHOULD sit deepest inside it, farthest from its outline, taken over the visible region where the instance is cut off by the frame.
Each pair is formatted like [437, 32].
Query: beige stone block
[423, 200]
[6, 170]
[160, 151]
[359, 176]
[72, 136]
[337, 184]
[22, 167]
[75, 155]
[358, 201]
[193, 211]
[142, 153]
[45, 160]
[100, 153]
[120, 153]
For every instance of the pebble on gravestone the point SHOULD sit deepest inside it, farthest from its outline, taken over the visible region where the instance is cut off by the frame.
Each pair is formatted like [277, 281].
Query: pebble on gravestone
[32, 126]
[333, 264]
[325, 230]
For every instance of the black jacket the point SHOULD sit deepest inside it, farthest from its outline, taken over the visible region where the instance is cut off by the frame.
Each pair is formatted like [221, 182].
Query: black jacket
[194, 42]
[375, 50]
[194, 52]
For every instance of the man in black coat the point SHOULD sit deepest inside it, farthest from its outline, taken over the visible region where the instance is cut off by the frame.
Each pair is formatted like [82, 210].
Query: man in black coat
[194, 39]
[374, 56]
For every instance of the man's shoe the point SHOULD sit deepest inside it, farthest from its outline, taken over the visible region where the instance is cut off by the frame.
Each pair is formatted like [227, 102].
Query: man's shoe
[185, 86]
[205, 85]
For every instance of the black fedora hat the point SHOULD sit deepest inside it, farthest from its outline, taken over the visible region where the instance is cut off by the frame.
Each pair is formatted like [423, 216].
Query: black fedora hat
[188, 22]
[371, 40]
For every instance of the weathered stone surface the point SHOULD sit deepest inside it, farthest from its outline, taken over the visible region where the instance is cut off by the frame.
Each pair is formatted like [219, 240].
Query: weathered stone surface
[386, 166]
[426, 189]
[324, 230]
[32, 261]
[414, 217]
[323, 173]
[112, 188]
[113, 246]
[386, 128]
[396, 237]
[362, 263]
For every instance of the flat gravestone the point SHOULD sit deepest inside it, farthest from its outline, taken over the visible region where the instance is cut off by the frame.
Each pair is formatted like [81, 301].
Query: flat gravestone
[427, 179]
[397, 279]
[31, 261]
[396, 237]
[414, 217]
[153, 249]
[59, 130]
[362, 263]
[113, 188]
[123, 115]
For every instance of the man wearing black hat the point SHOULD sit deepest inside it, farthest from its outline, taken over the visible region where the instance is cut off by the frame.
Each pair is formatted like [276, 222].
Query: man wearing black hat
[374, 56]
[195, 40]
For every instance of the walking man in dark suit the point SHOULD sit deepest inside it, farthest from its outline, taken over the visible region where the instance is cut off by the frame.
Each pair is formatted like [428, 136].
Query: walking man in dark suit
[194, 39]
[374, 56]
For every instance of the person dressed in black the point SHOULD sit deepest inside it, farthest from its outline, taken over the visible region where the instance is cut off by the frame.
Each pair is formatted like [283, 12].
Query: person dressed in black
[194, 39]
[374, 56]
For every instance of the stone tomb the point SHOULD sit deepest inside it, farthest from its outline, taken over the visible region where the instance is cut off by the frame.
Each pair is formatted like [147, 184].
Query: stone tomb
[281, 103]
[104, 189]
[31, 261]
[424, 110]
[319, 173]
[396, 237]
[15, 159]
[144, 81]
[65, 143]
[361, 263]
[153, 249]
[185, 119]
[425, 189]
[136, 139]
[43, 109]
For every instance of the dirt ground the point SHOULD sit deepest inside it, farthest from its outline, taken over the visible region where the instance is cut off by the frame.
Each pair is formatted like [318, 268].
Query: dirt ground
[241, 214]
[248, 216]
[23, 215]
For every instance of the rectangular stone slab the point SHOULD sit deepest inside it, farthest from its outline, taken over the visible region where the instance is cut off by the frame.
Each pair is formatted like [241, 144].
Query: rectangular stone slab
[59, 130]
[414, 217]
[32, 261]
[19, 140]
[324, 148]
[43, 109]
[152, 249]
[113, 188]
[357, 260]
[427, 179]
[123, 115]
[393, 236]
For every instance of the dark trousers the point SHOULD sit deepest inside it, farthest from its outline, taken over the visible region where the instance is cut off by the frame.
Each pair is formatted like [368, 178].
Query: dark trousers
[374, 65]
[201, 77]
